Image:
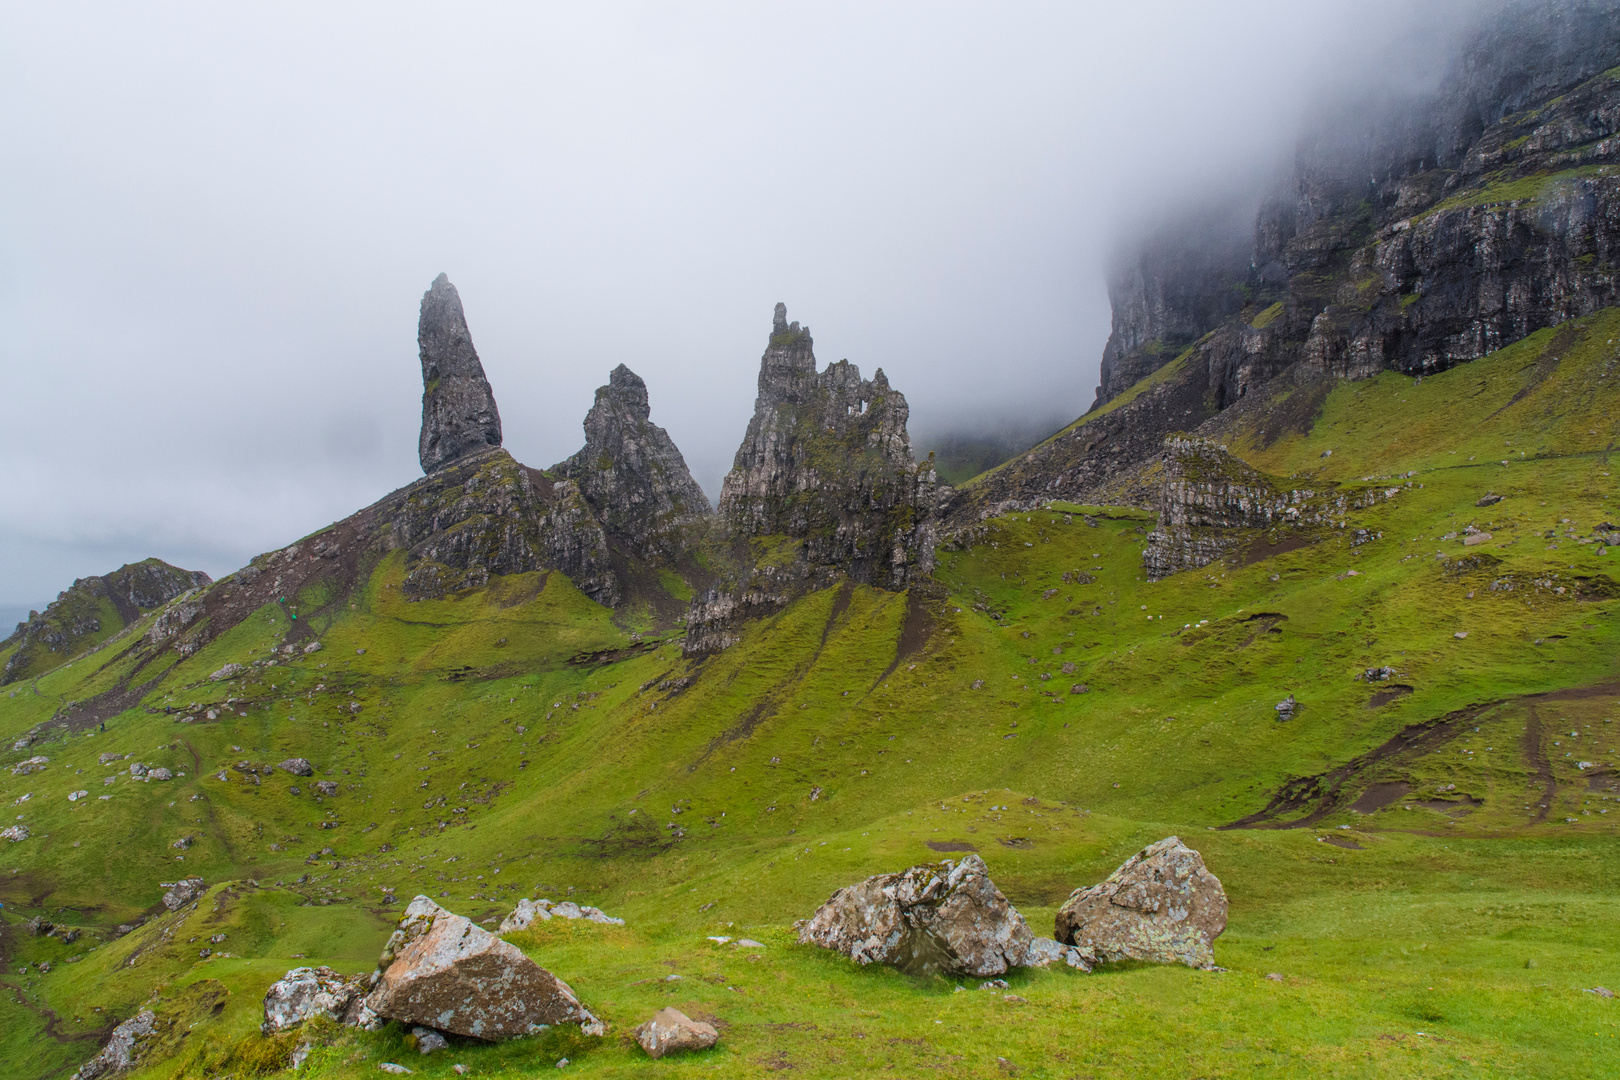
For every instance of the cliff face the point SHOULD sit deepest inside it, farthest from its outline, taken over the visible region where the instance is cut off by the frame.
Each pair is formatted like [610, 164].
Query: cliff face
[1414, 237]
[458, 407]
[91, 610]
[632, 475]
[827, 460]
[823, 487]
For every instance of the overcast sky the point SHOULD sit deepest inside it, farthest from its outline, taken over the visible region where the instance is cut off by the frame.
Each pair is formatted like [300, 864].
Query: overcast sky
[217, 221]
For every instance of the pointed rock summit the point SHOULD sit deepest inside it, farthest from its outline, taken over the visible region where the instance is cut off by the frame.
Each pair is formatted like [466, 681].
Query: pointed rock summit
[632, 474]
[827, 459]
[458, 408]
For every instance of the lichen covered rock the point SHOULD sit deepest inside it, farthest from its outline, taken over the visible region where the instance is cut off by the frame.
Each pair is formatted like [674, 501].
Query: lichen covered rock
[443, 971]
[307, 992]
[1161, 905]
[934, 918]
[671, 1031]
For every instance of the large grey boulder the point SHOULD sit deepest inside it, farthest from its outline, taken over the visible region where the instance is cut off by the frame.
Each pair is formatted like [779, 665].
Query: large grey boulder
[307, 992]
[936, 917]
[458, 408]
[1161, 905]
[445, 972]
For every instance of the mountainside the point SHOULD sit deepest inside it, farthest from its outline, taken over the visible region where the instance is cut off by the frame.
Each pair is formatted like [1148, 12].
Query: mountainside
[1422, 235]
[89, 612]
[1331, 596]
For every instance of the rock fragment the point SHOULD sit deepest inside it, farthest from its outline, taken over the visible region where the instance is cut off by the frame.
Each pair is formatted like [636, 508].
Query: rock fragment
[1161, 905]
[936, 917]
[183, 892]
[444, 971]
[298, 767]
[671, 1031]
[122, 1051]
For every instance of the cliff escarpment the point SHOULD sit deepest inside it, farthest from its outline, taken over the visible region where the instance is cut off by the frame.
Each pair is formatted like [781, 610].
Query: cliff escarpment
[1411, 237]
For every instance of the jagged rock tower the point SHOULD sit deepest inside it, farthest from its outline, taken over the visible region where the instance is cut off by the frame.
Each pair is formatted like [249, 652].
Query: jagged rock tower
[827, 460]
[826, 463]
[633, 476]
[458, 408]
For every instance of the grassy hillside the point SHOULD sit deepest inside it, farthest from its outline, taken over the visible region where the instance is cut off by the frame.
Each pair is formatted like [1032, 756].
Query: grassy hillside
[1428, 861]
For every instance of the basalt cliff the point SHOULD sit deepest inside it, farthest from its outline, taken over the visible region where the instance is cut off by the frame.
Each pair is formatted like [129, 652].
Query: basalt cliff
[1409, 236]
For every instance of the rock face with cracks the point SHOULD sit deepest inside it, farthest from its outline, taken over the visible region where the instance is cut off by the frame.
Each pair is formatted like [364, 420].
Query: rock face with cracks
[443, 971]
[671, 1030]
[122, 1051]
[1161, 905]
[632, 475]
[934, 918]
[458, 407]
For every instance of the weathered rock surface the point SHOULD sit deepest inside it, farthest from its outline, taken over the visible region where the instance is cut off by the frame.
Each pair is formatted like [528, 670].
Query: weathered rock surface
[298, 766]
[445, 972]
[180, 893]
[1411, 237]
[527, 911]
[307, 992]
[122, 1052]
[936, 917]
[1161, 905]
[671, 1031]
[632, 475]
[458, 407]
[826, 463]
[89, 611]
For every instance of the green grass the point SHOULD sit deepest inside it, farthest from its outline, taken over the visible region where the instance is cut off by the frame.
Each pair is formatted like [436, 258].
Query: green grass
[502, 746]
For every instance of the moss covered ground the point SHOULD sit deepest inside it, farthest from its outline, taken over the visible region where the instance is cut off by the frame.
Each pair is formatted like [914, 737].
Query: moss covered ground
[1437, 901]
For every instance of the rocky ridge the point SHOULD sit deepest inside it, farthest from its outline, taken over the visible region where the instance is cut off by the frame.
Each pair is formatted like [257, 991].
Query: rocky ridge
[1412, 236]
[90, 609]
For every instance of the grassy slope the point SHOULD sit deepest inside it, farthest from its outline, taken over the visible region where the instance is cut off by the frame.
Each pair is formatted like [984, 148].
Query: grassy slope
[496, 767]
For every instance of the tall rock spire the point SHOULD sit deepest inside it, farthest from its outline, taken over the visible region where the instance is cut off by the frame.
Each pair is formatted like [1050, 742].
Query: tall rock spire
[632, 474]
[458, 408]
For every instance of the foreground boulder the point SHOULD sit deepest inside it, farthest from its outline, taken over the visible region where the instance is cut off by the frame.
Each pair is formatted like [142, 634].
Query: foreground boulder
[671, 1030]
[933, 918]
[1161, 905]
[445, 972]
[307, 992]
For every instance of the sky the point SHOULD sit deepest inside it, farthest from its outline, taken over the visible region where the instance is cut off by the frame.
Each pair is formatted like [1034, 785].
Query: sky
[217, 222]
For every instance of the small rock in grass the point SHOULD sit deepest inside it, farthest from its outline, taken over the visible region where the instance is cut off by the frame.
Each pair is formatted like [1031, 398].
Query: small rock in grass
[671, 1030]
[428, 1040]
[397, 1070]
[298, 767]
[1601, 991]
[1274, 977]
[749, 943]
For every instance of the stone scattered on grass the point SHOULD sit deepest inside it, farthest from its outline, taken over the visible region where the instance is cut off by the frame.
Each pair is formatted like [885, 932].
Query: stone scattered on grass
[15, 833]
[180, 893]
[443, 970]
[527, 911]
[298, 767]
[307, 992]
[671, 1031]
[428, 1040]
[1161, 905]
[937, 917]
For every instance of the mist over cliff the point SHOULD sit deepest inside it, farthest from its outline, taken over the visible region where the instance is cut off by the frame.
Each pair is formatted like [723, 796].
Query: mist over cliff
[218, 223]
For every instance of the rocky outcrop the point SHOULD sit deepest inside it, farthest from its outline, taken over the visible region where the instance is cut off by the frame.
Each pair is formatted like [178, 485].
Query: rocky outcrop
[307, 992]
[1161, 905]
[672, 1031]
[934, 918]
[443, 971]
[826, 466]
[633, 477]
[123, 1050]
[91, 610]
[1409, 235]
[527, 912]
[458, 407]
[1211, 503]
